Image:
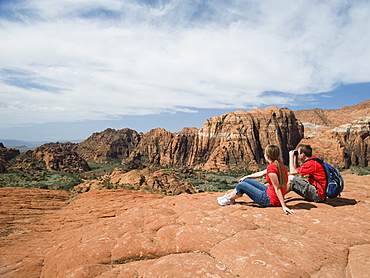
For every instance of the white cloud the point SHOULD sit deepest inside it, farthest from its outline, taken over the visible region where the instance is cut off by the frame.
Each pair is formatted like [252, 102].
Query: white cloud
[84, 59]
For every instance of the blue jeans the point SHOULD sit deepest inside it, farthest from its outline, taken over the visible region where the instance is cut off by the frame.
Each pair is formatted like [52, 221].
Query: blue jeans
[255, 190]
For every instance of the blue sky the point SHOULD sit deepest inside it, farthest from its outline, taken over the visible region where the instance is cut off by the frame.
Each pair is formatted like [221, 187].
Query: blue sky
[74, 67]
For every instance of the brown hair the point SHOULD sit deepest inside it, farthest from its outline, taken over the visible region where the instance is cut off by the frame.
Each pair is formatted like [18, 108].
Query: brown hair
[306, 149]
[273, 152]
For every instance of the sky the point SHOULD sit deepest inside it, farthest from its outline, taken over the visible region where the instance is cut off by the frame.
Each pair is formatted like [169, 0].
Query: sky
[69, 68]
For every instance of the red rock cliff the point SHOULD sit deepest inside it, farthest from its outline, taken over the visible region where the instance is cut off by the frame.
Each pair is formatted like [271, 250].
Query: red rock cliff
[108, 146]
[223, 143]
[340, 136]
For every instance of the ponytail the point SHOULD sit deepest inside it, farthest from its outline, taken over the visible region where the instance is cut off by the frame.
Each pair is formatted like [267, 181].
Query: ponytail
[281, 175]
[273, 152]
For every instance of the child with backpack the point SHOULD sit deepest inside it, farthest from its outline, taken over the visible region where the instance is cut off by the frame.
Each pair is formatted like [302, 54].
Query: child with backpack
[323, 179]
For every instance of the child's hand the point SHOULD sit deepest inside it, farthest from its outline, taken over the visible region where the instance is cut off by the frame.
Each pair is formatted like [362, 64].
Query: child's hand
[288, 211]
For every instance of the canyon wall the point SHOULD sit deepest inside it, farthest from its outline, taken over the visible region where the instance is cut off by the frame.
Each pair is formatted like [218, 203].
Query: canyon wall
[340, 136]
[236, 140]
[233, 140]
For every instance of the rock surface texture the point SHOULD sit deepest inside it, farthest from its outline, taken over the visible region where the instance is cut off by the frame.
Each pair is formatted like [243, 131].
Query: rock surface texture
[152, 179]
[340, 136]
[108, 146]
[61, 159]
[5, 155]
[233, 140]
[123, 233]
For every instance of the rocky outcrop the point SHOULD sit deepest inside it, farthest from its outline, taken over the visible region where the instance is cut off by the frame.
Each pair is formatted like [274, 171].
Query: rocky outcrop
[27, 163]
[233, 140]
[340, 136]
[3, 165]
[61, 159]
[331, 118]
[108, 146]
[161, 147]
[52, 157]
[345, 145]
[6, 154]
[237, 139]
[123, 233]
[148, 179]
[355, 138]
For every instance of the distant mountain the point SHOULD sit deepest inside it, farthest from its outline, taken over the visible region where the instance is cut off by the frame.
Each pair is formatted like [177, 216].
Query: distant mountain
[27, 145]
[18, 144]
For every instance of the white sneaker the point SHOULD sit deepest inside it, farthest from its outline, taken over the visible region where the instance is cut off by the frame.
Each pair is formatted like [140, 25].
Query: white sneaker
[225, 201]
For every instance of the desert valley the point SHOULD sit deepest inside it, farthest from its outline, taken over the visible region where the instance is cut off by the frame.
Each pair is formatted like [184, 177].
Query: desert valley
[144, 205]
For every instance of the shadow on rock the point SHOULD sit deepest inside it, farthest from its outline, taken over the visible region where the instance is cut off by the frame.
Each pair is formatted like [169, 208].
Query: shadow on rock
[305, 206]
[340, 202]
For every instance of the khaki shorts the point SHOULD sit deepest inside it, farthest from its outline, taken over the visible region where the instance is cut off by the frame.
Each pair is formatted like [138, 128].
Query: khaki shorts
[305, 189]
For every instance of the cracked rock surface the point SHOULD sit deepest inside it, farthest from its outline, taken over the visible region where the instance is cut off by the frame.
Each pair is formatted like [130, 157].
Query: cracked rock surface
[122, 233]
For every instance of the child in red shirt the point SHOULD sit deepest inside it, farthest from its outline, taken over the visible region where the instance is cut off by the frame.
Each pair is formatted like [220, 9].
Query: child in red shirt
[314, 188]
[272, 195]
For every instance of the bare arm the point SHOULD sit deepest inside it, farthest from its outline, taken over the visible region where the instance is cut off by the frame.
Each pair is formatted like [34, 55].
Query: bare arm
[255, 175]
[275, 183]
[293, 163]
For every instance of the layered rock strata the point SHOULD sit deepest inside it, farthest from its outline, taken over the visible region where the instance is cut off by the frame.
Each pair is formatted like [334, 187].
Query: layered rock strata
[233, 140]
[339, 136]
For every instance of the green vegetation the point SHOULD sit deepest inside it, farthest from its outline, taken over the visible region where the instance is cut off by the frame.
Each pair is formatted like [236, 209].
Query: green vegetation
[212, 181]
[47, 180]
[55, 180]
[98, 170]
[359, 170]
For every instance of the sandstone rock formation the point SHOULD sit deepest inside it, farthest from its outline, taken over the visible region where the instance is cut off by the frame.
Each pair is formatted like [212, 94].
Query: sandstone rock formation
[5, 155]
[240, 137]
[3, 165]
[345, 145]
[150, 179]
[27, 163]
[331, 118]
[61, 159]
[230, 141]
[123, 233]
[340, 136]
[108, 146]
[223, 143]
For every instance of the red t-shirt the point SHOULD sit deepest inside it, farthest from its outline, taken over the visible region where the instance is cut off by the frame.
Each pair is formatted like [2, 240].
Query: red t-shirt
[316, 174]
[274, 200]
